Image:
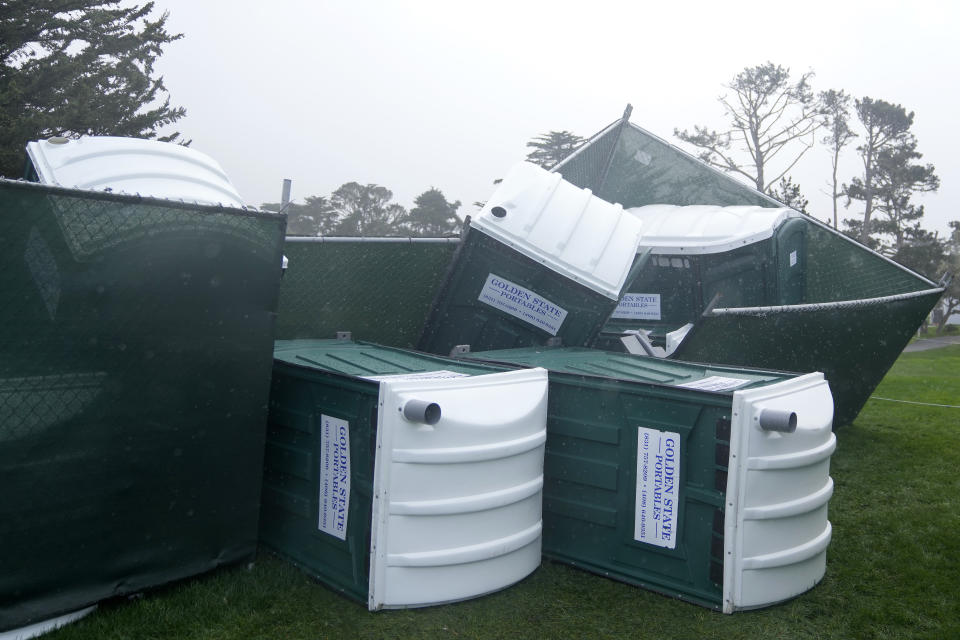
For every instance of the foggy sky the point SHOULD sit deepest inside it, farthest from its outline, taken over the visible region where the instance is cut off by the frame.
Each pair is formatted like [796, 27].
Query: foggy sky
[413, 95]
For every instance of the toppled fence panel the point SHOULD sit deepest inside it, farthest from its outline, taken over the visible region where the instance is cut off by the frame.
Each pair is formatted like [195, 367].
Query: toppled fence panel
[134, 372]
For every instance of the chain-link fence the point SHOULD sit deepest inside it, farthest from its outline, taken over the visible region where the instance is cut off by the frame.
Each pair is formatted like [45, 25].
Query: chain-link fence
[853, 343]
[135, 353]
[379, 289]
[629, 165]
[840, 269]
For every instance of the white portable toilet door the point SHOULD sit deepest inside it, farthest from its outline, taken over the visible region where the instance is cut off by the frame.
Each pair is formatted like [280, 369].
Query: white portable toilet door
[458, 486]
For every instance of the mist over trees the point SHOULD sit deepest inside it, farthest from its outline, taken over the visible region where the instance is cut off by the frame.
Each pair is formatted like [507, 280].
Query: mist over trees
[87, 67]
[770, 116]
[835, 114]
[433, 216]
[367, 210]
[788, 192]
[550, 148]
[890, 174]
[80, 68]
[951, 264]
[772, 122]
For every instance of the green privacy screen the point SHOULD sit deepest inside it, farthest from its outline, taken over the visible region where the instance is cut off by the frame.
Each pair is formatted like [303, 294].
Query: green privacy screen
[806, 299]
[840, 269]
[379, 289]
[853, 343]
[631, 166]
[134, 372]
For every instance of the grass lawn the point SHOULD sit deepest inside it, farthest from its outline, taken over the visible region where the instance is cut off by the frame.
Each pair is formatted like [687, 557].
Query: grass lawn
[893, 567]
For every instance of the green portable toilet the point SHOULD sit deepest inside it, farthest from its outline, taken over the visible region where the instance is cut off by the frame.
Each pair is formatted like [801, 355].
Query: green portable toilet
[544, 260]
[770, 288]
[705, 483]
[697, 257]
[814, 301]
[402, 479]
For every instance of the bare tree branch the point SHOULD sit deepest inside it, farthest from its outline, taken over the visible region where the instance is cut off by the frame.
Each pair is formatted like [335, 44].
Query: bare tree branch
[769, 116]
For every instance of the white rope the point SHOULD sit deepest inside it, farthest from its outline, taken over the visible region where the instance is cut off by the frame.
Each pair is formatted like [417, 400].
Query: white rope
[369, 239]
[821, 306]
[926, 404]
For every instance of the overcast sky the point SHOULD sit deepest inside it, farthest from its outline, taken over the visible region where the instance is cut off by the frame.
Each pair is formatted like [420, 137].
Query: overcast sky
[418, 94]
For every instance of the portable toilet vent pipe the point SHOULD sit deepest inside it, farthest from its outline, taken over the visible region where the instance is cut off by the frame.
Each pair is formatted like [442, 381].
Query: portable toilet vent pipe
[706, 483]
[544, 260]
[402, 479]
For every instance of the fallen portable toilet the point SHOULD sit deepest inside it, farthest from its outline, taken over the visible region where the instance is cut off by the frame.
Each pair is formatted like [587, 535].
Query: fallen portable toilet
[705, 483]
[402, 479]
[544, 261]
[840, 307]
[701, 256]
[771, 288]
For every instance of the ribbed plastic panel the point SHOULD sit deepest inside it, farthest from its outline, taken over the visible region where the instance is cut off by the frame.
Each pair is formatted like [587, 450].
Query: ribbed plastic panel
[393, 509]
[644, 466]
[567, 229]
[669, 229]
[777, 531]
[133, 166]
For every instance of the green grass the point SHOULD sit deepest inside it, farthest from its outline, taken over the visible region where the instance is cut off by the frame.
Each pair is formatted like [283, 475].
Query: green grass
[893, 568]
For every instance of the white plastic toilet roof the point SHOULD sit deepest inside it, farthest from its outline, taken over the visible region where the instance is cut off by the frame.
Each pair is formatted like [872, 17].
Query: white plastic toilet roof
[563, 227]
[699, 229]
[133, 166]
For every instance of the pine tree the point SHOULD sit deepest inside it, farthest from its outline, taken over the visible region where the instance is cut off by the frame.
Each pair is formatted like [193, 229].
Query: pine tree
[315, 217]
[890, 177]
[432, 216]
[770, 115]
[75, 67]
[552, 147]
[788, 192]
[835, 112]
[366, 210]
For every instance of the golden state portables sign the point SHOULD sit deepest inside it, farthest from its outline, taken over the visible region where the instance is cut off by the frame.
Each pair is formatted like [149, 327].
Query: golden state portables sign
[522, 303]
[658, 472]
[334, 476]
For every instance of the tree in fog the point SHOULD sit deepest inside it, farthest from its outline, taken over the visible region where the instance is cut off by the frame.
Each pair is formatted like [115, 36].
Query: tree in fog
[771, 121]
[72, 68]
[552, 147]
[366, 210]
[316, 217]
[891, 175]
[835, 114]
[432, 216]
[951, 265]
[789, 194]
[928, 254]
